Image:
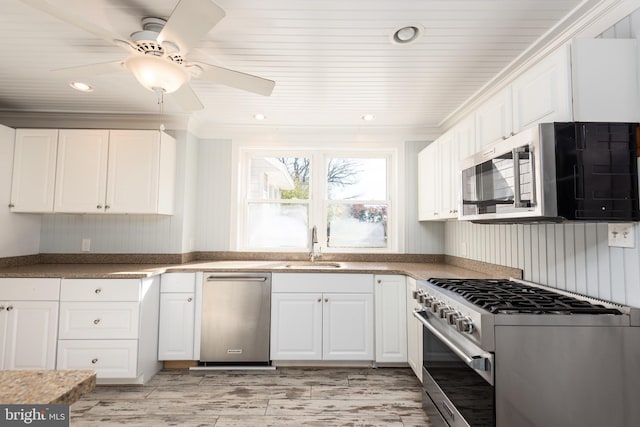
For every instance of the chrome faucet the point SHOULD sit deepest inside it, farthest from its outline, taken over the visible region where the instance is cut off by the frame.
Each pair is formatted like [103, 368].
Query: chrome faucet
[314, 241]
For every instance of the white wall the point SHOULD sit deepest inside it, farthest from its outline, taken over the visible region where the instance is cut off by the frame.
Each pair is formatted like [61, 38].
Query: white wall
[19, 233]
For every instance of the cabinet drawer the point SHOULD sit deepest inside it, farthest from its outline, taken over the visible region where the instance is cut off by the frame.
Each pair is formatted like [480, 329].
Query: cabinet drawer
[178, 282]
[98, 320]
[30, 289]
[100, 290]
[109, 358]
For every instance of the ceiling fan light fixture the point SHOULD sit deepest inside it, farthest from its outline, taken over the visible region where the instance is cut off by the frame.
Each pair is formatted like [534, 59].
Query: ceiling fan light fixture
[154, 72]
[82, 87]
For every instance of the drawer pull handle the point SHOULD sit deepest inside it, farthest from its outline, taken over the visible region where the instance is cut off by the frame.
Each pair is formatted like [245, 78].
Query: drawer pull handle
[98, 290]
[326, 300]
[94, 361]
[95, 322]
[99, 207]
[189, 299]
[319, 299]
[1, 307]
[10, 308]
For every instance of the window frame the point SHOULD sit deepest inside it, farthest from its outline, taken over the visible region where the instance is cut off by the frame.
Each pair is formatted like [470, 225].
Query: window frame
[318, 201]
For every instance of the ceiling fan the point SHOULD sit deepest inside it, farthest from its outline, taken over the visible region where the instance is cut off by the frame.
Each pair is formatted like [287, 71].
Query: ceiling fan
[157, 53]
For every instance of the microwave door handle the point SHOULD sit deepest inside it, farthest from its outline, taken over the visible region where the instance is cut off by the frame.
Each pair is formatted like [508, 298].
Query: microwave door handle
[517, 195]
[478, 362]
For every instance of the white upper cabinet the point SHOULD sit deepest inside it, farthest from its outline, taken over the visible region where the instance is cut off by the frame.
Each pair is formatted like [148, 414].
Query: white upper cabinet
[494, 120]
[605, 80]
[428, 192]
[81, 174]
[591, 80]
[94, 171]
[135, 174]
[543, 93]
[34, 170]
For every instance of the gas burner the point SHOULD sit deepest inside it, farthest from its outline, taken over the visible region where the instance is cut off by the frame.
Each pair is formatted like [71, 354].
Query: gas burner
[509, 297]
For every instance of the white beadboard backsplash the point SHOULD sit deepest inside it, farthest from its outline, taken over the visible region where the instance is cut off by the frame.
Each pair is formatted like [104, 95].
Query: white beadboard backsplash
[574, 256]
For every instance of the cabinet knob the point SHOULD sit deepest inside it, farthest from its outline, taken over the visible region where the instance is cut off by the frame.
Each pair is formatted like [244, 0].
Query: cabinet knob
[107, 207]
[95, 322]
[319, 299]
[10, 308]
[99, 207]
[379, 281]
[512, 134]
[189, 299]
[1, 307]
[98, 290]
[11, 205]
[94, 361]
[504, 137]
[326, 300]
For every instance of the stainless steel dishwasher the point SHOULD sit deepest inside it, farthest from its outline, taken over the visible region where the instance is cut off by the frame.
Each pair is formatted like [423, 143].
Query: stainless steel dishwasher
[236, 315]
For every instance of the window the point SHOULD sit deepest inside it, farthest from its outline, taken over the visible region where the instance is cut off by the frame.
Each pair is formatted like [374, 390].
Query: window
[347, 197]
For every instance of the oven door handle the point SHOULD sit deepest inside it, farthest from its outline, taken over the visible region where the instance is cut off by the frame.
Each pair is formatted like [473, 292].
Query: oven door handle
[477, 362]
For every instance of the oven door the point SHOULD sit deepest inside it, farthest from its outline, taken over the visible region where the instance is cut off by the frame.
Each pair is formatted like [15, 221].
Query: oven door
[457, 376]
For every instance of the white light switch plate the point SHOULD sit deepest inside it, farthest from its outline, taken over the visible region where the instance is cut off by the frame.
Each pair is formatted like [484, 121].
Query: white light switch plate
[622, 235]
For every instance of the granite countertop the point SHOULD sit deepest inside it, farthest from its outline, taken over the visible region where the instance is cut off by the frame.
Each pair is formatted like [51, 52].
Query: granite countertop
[45, 387]
[417, 270]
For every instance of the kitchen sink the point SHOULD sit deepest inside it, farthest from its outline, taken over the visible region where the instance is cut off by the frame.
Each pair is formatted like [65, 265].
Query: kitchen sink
[312, 264]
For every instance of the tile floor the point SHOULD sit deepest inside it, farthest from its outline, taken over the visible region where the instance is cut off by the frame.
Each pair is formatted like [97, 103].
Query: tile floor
[282, 397]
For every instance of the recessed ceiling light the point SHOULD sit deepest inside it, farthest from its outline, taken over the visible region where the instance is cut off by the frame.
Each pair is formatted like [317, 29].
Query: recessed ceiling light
[407, 34]
[259, 116]
[368, 117]
[82, 87]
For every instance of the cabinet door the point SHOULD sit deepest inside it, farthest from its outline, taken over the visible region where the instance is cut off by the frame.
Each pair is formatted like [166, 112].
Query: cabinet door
[428, 191]
[347, 332]
[494, 119]
[543, 93]
[177, 326]
[296, 326]
[30, 339]
[391, 319]
[81, 174]
[414, 332]
[447, 160]
[133, 167]
[34, 170]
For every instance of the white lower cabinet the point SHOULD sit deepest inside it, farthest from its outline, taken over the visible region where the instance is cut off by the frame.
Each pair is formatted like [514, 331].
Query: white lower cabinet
[111, 326]
[414, 331]
[177, 317]
[391, 319]
[28, 323]
[322, 317]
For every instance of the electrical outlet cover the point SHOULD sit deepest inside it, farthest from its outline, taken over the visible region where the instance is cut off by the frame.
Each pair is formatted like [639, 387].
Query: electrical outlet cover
[622, 235]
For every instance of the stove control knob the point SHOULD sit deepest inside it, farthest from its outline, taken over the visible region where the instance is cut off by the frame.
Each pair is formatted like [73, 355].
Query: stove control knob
[436, 305]
[428, 300]
[464, 324]
[444, 311]
[415, 294]
[453, 317]
[421, 297]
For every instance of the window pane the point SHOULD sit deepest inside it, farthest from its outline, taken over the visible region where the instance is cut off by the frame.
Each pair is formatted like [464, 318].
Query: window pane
[357, 179]
[275, 178]
[357, 226]
[275, 225]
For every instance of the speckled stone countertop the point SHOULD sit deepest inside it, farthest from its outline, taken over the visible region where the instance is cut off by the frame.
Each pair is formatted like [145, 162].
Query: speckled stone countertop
[45, 386]
[417, 270]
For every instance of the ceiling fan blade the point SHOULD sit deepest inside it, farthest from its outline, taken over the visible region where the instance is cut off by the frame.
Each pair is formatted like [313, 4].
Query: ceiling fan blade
[90, 70]
[237, 79]
[66, 16]
[186, 98]
[190, 21]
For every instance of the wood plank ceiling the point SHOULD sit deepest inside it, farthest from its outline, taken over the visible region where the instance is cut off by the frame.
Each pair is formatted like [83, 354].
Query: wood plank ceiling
[333, 60]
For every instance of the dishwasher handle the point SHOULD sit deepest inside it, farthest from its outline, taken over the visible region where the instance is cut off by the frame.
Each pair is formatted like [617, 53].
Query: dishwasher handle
[235, 279]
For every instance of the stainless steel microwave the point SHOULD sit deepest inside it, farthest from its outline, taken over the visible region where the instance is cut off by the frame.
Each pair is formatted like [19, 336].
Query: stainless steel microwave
[554, 172]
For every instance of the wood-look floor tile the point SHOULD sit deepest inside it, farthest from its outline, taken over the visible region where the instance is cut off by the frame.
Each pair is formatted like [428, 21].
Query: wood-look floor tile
[115, 393]
[355, 392]
[142, 408]
[383, 381]
[275, 381]
[147, 421]
[308, 421]
[341, 407]
[416, 420]
[161, 380]
[230, 392]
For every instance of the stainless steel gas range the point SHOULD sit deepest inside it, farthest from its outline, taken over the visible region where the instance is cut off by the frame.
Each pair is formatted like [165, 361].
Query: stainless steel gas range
[510, 353]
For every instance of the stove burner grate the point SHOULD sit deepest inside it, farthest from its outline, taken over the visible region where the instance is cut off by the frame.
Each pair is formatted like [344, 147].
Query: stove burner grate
[507, 297]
